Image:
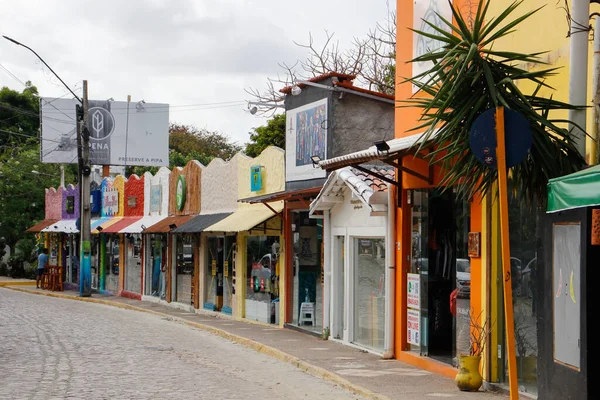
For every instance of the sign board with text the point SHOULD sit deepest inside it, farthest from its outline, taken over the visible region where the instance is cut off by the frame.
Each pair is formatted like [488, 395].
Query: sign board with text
[121, 133]
[413, 291]
[413, 326]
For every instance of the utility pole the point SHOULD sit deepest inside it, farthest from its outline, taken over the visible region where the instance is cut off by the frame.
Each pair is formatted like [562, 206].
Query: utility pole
[83, 138]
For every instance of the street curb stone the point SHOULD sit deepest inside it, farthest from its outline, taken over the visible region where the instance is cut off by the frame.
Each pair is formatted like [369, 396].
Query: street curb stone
[249, 343]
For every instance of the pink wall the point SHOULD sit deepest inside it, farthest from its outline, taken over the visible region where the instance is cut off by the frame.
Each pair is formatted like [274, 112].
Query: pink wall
[54, 200]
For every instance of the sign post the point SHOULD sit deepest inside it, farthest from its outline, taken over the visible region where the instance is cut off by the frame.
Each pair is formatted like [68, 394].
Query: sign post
[501, 138]
[85, 271]
[505, 240]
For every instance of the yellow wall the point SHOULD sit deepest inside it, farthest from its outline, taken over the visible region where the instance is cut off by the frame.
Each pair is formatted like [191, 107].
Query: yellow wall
[272, 159]
[546, 31]
[119, 185]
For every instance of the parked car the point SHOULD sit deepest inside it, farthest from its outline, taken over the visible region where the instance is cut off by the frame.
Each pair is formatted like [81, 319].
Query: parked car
[463, 278]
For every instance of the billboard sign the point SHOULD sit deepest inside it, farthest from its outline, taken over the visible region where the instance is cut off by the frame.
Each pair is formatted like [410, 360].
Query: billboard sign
[306, 136]
[121, 133]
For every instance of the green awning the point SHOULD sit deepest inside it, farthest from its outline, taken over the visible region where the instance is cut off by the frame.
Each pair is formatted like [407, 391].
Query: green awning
[580, 189]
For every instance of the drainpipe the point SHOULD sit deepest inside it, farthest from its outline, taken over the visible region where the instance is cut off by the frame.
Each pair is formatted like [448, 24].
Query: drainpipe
[595, 92]
[390, 274]
[578, 70]
[327, 271]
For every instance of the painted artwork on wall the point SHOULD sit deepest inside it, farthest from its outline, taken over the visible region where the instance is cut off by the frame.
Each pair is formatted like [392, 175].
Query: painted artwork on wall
[310, 134]
[306, 136]
[430, 11]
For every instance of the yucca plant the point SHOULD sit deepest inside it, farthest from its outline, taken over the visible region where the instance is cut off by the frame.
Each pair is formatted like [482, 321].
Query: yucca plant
[470, 76]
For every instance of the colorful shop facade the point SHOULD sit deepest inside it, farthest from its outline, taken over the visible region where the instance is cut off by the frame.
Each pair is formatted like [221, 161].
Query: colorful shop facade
[181, 237]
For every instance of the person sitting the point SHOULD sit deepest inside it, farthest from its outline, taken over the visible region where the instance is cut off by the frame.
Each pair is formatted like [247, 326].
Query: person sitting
[42, 263]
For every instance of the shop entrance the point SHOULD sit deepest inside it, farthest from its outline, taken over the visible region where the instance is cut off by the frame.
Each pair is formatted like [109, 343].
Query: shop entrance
[184, 270]
[219, 294]
[262, 279]
[156, 257]
[307, 310]
[133, 263]
[113, 257]
[439, 266]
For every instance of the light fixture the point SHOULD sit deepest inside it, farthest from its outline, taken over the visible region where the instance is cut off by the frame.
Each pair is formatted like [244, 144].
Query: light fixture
[381, 145]
[110, 99]
[253, 106]
[143, 227]
[172, 226]
[99, 229]
[296, 90]
[315, 160]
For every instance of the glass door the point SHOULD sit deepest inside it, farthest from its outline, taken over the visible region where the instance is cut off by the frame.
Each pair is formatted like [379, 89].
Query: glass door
[417, 300]
[369, 292]
[339, 285]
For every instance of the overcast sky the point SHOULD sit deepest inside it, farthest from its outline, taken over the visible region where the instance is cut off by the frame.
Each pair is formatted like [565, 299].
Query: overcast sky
[179, 52]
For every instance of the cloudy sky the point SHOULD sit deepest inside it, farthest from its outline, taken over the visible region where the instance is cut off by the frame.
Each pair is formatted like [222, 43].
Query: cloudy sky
[190, 54]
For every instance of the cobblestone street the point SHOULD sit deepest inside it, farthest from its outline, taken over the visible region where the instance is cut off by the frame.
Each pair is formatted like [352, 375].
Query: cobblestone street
[54, 349]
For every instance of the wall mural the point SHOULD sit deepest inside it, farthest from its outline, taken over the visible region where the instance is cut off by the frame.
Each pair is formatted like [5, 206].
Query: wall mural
[306, 136]
[430, 11]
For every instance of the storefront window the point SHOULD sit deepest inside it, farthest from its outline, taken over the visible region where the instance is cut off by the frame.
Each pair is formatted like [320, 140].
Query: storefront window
[369, 292]
[114, 263]
[184, 269]
[440, 268]
[133, 267]
[262, 278]
[73, 262]
[95, 262]
[307, 272]
[523, 225]
[220, 273]
[155, 265]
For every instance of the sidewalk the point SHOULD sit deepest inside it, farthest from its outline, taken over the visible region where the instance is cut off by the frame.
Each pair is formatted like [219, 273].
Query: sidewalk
[7, 281]
[358, 371]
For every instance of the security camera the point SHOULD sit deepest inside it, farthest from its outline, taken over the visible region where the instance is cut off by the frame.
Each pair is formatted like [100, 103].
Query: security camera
[253, 110]
[296, 90]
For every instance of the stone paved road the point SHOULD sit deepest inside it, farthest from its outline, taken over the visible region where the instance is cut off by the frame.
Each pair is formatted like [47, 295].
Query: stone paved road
[55, 349]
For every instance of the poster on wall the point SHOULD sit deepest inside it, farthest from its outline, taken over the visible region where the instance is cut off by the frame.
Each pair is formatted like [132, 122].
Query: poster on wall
[427, 10]
[566, 302]
[121, 133]
[413, 291]
[413, 326]
[306, 136]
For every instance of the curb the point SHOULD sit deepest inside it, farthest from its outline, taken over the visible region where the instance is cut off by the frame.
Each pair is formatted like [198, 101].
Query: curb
[18, 283]
[249, 343]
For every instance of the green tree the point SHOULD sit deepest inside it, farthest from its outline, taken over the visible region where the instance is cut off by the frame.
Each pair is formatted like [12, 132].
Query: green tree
[272, 134]
[22, 196]
[469, 76]
[19, 113]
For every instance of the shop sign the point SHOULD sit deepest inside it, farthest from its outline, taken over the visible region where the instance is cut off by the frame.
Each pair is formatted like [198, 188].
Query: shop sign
[155, 198]
[214, 268]
[110, 203]
[180, 193]
[413, 299]
[413, 325]
[70, 206]
[225, 268]
[256, 178]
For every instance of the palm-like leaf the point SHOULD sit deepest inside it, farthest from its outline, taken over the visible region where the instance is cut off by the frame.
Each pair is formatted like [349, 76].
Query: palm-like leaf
[467, 78]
